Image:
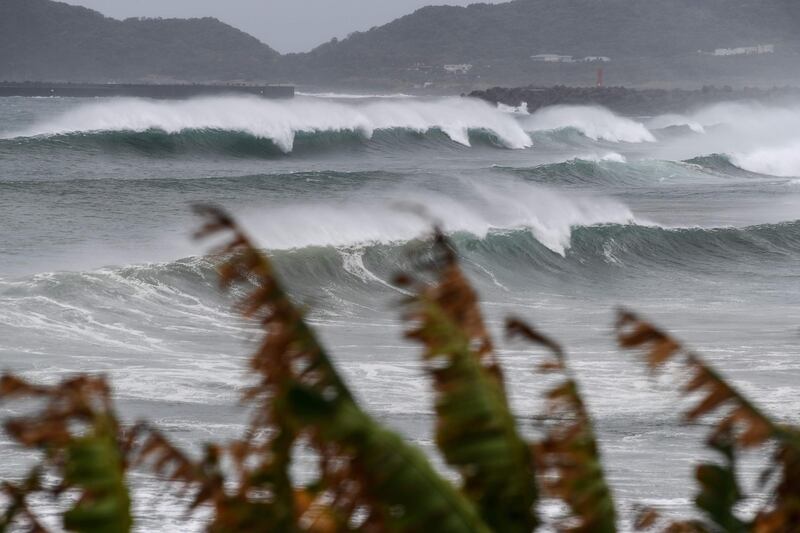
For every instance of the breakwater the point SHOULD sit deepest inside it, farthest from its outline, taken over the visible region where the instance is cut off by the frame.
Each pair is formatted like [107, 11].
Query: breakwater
[633, 101]
[142, 90]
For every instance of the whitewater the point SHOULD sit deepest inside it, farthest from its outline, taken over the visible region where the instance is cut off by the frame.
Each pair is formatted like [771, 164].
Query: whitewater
[560, 215]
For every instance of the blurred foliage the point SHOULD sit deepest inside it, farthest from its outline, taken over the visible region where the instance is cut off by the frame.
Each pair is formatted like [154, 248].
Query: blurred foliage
[368, 477]
[77, 432]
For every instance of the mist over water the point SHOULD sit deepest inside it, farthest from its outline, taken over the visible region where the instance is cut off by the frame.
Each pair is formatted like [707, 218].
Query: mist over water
[560, 216]
[281, 121]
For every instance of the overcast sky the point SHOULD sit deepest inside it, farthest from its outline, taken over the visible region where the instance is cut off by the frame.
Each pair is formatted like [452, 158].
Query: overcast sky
[286, 25]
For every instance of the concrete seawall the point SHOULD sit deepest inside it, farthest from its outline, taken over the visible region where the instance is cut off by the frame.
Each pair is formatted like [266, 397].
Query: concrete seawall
[89, 90]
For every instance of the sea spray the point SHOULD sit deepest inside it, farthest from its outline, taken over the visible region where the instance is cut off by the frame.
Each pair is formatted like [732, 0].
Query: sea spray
[781, 160]
[477, 209]
[596, 123]
[755, 137]
[726, 243]
[282, 121]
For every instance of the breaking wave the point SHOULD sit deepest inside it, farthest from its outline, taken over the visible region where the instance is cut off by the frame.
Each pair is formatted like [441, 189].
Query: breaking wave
[756, 138]
[159, 143]
[283, 122]
[188, 285]
[614, 170]
[596, 123]
[782, 160]
[472, 207]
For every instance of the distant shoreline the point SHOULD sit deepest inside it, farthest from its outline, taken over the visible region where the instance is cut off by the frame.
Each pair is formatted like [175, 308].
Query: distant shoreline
[142, 90]
[632, 101]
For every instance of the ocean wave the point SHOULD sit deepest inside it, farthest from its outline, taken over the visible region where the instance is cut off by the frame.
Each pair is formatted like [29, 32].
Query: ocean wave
[669, 247]
[64, 302]
[614, 170]
[763, 163]
[238, 144]
[521, 109]
[756, 138]
[352, 96]
[721, 164]
[84, 307]
[473, 207]
[641, 248]
[665, 122]
[782, 160]
[596, 123]
[282, 122]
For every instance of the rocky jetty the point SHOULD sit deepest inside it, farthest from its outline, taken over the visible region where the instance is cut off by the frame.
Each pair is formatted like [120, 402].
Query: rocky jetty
[632, 101]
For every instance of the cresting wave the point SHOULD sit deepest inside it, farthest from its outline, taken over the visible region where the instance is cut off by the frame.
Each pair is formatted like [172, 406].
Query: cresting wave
[476, 208]
[282, 121]
[782, 160]
[614, 170]
[509, 255]
[237, 144]
[240, 125]
[596, 123]
[757, 138]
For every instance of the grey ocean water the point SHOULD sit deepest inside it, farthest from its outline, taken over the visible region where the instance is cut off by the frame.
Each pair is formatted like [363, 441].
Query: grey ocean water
[560, 215]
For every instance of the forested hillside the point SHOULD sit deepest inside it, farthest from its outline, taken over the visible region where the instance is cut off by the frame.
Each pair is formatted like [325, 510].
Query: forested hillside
[644, 41]
[44, 40]
[514, 31]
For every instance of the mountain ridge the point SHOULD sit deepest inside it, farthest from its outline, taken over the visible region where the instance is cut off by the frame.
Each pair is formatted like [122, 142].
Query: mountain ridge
[645, 42]
[54, 41]
[483, 34]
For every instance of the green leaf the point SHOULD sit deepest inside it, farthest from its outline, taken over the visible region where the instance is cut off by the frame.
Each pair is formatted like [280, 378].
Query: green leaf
[94, 465]
[568, 458]
[475, 430]
[363, 465]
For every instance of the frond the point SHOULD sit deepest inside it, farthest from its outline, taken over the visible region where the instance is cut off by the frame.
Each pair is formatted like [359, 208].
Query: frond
[476, 430]
[740, 426]
[18, 509]
[568, 459]
[78, 433]
[371, 476]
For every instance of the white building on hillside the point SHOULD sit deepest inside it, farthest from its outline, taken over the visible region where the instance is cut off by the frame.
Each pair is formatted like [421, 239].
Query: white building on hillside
[458, 69]
[745, 50]
[553, 58]
[558, 58]
[596, 59]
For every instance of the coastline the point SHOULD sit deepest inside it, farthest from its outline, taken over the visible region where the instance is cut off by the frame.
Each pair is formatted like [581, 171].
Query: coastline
[632, 101]
[142, 90]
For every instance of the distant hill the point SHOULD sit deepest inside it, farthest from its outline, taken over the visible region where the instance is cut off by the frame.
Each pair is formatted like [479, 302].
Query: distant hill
[519, 29]
[507, 35]
[45, 40]
[646, 42]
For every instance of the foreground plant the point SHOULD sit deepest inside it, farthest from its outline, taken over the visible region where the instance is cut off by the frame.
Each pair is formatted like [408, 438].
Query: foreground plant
[739, 426]
[78, 434]
[368, 477]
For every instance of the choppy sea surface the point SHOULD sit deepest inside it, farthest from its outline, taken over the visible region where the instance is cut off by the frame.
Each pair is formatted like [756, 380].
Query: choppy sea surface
[560, 216]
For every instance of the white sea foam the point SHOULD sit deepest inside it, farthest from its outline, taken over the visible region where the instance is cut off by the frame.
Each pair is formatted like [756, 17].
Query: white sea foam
[781, 160]
[521, 109]
[611, 157]
[478, 209]
[353, 262]
[281, 120]
[758, 138]
[350, 96]
[596, 123]
[672, 120]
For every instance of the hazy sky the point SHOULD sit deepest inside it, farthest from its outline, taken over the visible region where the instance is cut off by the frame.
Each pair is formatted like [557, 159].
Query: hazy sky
[286, 25]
